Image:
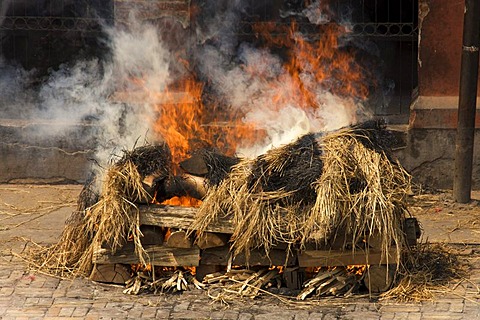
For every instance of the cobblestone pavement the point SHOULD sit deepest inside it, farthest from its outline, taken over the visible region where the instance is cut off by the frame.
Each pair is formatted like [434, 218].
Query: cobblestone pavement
[37, 213]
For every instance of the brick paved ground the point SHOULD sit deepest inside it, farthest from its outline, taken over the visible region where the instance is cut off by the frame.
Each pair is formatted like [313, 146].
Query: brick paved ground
[29, 212]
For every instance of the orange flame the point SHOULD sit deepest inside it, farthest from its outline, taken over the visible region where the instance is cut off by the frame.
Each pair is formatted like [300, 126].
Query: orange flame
[185, 123]
[315, 63]
[183, 201]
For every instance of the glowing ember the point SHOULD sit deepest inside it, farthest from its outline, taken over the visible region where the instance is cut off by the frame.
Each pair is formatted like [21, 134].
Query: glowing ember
[183, 202]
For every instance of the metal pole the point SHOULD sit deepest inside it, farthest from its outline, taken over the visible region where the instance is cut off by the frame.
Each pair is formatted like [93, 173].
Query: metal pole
[462, 183]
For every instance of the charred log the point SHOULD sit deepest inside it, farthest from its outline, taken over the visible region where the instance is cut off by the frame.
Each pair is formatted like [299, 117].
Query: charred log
[210, 164]
[179, 186]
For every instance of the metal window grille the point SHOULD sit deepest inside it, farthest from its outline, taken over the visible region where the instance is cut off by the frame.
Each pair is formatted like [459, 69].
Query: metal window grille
[44, 34]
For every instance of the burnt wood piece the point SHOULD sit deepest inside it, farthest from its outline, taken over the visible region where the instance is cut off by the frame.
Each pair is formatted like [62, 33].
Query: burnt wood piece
[159, 256]
[179, 186]
[219, 256]
[209, 164]
[149, 184]
[195, 165]
[178, 217]
[202, 270]
[178, 239]
[294, 278]
[110, 273]
[412, 231]
[212, 240]
[318, 258]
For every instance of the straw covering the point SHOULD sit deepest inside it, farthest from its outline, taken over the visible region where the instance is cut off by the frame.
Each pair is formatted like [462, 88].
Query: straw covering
[112, 220]
[321, 188]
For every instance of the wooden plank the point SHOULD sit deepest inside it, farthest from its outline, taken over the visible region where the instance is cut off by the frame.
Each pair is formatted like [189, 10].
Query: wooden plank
[159, 256]
[317, 258]
[178, 217]
[219, 256]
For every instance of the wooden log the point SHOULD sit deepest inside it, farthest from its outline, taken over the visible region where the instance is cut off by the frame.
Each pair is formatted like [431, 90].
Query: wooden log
[184, 185]
[294, 278]
[110, 273]
[202, 270]
[379, 278]
[212, 240]
[220, 256]
[178, 217]
[317, 258]
[178, 239]
[159, 256]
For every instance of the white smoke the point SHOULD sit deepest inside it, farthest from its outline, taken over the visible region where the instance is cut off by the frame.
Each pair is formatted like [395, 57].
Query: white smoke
[83, 90]
[316, 14]
[257, 83]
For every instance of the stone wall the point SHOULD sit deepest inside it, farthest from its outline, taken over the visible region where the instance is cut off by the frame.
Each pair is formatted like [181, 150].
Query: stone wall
[26, 156]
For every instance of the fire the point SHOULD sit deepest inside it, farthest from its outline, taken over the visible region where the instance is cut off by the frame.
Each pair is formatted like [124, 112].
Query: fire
[311, 64]
[186, 123]
[183, 202]
[315, 62]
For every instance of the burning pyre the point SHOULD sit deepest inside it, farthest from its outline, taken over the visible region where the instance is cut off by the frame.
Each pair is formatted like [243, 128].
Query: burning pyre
[251, 140]
[340, 190]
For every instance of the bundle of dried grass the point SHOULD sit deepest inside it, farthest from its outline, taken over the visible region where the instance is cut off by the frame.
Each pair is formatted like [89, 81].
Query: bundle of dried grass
[150, 160]
[218, 166]
[361, 193]
[110, 222]
[313, 189]
[266, 197]
[90, 193]
[427, 269]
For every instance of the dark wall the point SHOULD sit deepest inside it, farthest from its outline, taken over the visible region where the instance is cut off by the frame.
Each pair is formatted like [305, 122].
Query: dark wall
[43, 34]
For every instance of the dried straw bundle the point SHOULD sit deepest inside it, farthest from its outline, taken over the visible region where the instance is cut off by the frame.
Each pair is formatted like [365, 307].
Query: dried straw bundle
[110, 222]
[218, 166]
[312, 190]
[361, 193]
[264, 196]
[427, 270]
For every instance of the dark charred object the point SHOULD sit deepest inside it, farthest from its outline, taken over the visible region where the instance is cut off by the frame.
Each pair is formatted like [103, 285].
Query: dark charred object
[210, 164]
[299, 166]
